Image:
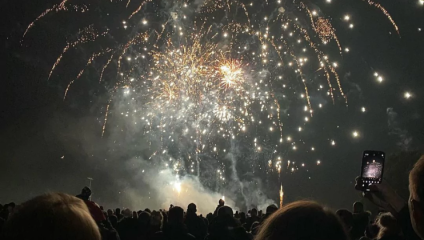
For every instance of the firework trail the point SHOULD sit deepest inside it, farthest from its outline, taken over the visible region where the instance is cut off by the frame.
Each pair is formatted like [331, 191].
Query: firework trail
[386, 13]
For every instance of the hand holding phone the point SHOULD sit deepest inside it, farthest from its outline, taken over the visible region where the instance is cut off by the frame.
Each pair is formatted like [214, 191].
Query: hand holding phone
[383, 196]
[372, 169]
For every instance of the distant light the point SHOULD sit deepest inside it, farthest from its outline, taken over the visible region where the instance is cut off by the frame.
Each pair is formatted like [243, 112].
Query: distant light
[225, 34]
[408, 95]
[318, 162]
[333, 143]
[363, 109]
[380, 79]
[355, 134]
[347, 18]
[144, 22]
[376, 74]
[314, 13]
[351, 25]
[328, 1]
[347, 50]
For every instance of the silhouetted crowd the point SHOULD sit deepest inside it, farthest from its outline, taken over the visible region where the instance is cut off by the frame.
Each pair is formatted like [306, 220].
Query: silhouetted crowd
[62, 216]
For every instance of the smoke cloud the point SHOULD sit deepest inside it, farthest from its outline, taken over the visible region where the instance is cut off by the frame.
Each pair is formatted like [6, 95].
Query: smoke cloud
[405, 138]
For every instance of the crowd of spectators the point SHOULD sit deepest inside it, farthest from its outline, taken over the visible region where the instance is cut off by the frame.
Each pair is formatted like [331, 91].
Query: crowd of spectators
[62, 216]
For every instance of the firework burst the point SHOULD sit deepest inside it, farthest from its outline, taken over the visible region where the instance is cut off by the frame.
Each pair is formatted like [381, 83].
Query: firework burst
[200, 77]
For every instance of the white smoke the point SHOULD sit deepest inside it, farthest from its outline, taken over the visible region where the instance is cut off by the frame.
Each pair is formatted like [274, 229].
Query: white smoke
[164, 187]
[405, 138]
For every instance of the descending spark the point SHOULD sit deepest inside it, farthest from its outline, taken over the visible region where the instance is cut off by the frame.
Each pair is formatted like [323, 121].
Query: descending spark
[55, 8]
[139, 8]
[59, 59]
[88, 34]
[105, 66]
[90, 60]
[378, 5]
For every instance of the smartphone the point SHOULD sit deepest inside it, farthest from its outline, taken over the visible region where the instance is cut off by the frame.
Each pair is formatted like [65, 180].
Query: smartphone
[372, 168]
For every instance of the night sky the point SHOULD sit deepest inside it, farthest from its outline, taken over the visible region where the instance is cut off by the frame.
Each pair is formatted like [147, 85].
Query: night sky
[51, 144]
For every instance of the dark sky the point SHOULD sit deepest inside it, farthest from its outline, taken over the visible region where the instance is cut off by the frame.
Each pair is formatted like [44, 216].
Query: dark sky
[38, 127]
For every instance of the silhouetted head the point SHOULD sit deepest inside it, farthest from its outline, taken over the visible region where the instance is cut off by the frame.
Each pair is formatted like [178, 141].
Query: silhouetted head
[191, 208]
[127, 213]
[85, 193]
[225, 210]
[302, 220]
[271, 209]
[109, 212]
[51, 216]
[389, 226]
[118, 211]
[144, 219]
[11, 206]
[221, 202]
[358, 207]
[254, 212]
[175, 215]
